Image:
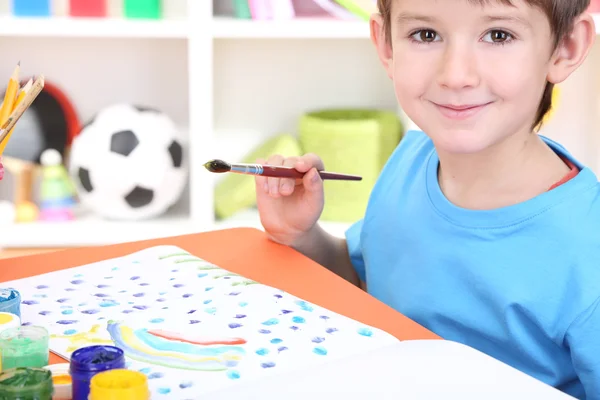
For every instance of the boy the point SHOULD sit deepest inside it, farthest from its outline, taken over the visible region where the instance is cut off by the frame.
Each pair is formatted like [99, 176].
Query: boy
[478, 228]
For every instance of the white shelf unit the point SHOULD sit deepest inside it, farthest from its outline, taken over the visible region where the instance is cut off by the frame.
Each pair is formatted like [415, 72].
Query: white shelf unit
[230, 84]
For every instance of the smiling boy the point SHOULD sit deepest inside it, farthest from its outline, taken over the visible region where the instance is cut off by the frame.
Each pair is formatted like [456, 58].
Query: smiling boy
[478, 228]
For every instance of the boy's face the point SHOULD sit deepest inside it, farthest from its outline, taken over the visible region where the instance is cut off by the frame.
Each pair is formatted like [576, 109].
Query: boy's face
[469, 75]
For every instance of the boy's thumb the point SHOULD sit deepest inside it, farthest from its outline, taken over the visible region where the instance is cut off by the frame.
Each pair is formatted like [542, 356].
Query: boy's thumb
[313, 181]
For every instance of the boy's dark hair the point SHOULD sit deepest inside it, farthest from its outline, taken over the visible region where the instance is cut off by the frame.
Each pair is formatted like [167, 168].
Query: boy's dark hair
[560, 13]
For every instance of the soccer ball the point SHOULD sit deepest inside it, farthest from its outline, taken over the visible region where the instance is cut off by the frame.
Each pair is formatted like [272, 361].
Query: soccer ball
[128, 163]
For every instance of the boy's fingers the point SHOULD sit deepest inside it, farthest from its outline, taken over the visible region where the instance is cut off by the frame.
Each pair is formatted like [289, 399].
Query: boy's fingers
[286, 185]
[273, 183]
[261, 181]
[313, 182]
[308, 161]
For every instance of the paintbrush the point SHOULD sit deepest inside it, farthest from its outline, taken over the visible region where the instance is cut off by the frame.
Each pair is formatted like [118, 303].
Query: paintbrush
[220, 166]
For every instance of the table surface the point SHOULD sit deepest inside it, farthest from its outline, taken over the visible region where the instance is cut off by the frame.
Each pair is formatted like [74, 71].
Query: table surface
[248, 252]
[416, 369]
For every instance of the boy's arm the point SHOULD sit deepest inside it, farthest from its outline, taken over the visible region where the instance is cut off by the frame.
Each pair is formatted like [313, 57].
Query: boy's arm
[583, 338]
[330, 252]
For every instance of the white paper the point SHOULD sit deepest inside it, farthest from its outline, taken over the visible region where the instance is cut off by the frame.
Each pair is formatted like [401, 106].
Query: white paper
[168, 300]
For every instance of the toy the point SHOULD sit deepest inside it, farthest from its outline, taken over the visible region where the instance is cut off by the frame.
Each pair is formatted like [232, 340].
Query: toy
[57, 192]
[128, 163]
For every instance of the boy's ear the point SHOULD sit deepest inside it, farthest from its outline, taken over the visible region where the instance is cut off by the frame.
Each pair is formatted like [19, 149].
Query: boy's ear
[573, 50]
[383, 47]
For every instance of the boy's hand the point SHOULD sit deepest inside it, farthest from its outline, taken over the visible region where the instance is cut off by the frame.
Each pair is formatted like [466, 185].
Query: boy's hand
[290, 208]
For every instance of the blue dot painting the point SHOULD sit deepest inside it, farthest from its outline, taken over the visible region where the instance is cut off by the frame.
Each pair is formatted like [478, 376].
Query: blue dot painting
[189, 326]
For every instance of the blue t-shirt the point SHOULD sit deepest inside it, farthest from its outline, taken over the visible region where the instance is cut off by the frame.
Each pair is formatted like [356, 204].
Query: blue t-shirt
[519, 283]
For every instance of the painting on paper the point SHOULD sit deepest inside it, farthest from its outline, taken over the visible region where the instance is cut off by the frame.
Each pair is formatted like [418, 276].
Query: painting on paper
[190, 326]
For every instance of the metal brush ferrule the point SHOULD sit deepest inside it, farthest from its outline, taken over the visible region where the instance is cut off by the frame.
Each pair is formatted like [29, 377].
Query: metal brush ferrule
[250, 169]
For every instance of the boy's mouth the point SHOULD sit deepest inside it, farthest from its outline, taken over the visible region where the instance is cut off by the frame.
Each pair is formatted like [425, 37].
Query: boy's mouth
[460, 111]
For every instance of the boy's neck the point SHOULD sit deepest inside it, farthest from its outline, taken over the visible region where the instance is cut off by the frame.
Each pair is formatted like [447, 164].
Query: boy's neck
[521, 167]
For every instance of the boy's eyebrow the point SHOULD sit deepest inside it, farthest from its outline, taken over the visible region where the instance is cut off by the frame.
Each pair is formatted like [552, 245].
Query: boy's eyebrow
[508, 18]
[407, 17]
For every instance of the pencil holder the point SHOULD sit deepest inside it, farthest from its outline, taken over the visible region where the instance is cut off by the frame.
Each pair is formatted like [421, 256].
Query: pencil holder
[350, 141]
[144, 9]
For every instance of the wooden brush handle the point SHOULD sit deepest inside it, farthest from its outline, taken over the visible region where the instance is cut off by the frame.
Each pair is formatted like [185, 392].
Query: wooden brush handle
[289, 172]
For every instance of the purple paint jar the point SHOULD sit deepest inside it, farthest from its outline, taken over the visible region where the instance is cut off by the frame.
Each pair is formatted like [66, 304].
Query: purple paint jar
[88, 361]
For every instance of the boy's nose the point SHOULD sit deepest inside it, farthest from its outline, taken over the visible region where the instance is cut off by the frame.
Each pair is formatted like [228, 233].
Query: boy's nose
[458, 69]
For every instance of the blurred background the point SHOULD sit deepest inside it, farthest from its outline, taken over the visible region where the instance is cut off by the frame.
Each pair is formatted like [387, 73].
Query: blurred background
[141, 93]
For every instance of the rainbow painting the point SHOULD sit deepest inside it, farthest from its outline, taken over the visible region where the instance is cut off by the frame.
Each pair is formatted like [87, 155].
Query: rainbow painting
[176, 350]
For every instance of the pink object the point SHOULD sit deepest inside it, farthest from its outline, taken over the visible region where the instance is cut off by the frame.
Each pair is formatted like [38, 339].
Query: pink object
[282, 9]
[56, 215]
[260, 9]
[1, 170]
[87, 8]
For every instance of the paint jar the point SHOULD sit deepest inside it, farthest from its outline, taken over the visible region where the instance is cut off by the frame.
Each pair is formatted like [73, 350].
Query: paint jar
[119, 384]
[61, 379]
[10, 301]
[24, 346]
[89, 361]
[26, 384]
[7, 321]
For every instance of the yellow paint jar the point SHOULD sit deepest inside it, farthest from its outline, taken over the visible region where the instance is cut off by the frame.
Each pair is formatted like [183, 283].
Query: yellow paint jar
[61, 380]
[119, 384]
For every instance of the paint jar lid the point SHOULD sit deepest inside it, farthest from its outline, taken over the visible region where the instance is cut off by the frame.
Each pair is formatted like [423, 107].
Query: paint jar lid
[119, 384]
[24, 340]
[20, 383]
[97, 358]
[9, 320]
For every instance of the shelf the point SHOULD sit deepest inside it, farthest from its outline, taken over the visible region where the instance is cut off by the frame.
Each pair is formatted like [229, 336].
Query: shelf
[221, 28]
[301, 28]
[92, 27]
[94, 231]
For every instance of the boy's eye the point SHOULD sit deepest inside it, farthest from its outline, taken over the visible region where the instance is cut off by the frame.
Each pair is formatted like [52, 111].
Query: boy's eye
[425, 35]
[498, 36]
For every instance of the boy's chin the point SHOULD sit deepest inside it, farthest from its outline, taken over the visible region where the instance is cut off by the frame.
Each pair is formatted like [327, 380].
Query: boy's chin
[461, 143]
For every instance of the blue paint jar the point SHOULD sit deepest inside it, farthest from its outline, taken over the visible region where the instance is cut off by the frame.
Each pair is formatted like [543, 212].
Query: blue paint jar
[10, 301]
[89, 361]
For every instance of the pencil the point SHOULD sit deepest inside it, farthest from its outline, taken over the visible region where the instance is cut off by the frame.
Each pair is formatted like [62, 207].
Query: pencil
[10, 95]
[30, 96]
[22, 93]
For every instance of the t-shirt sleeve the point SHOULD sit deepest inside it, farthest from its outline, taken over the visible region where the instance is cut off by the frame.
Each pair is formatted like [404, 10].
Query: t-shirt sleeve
[355, 249]
[583, 338]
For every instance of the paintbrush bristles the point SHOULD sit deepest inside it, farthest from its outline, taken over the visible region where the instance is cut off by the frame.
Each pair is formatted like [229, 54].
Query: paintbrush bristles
[218, 166]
